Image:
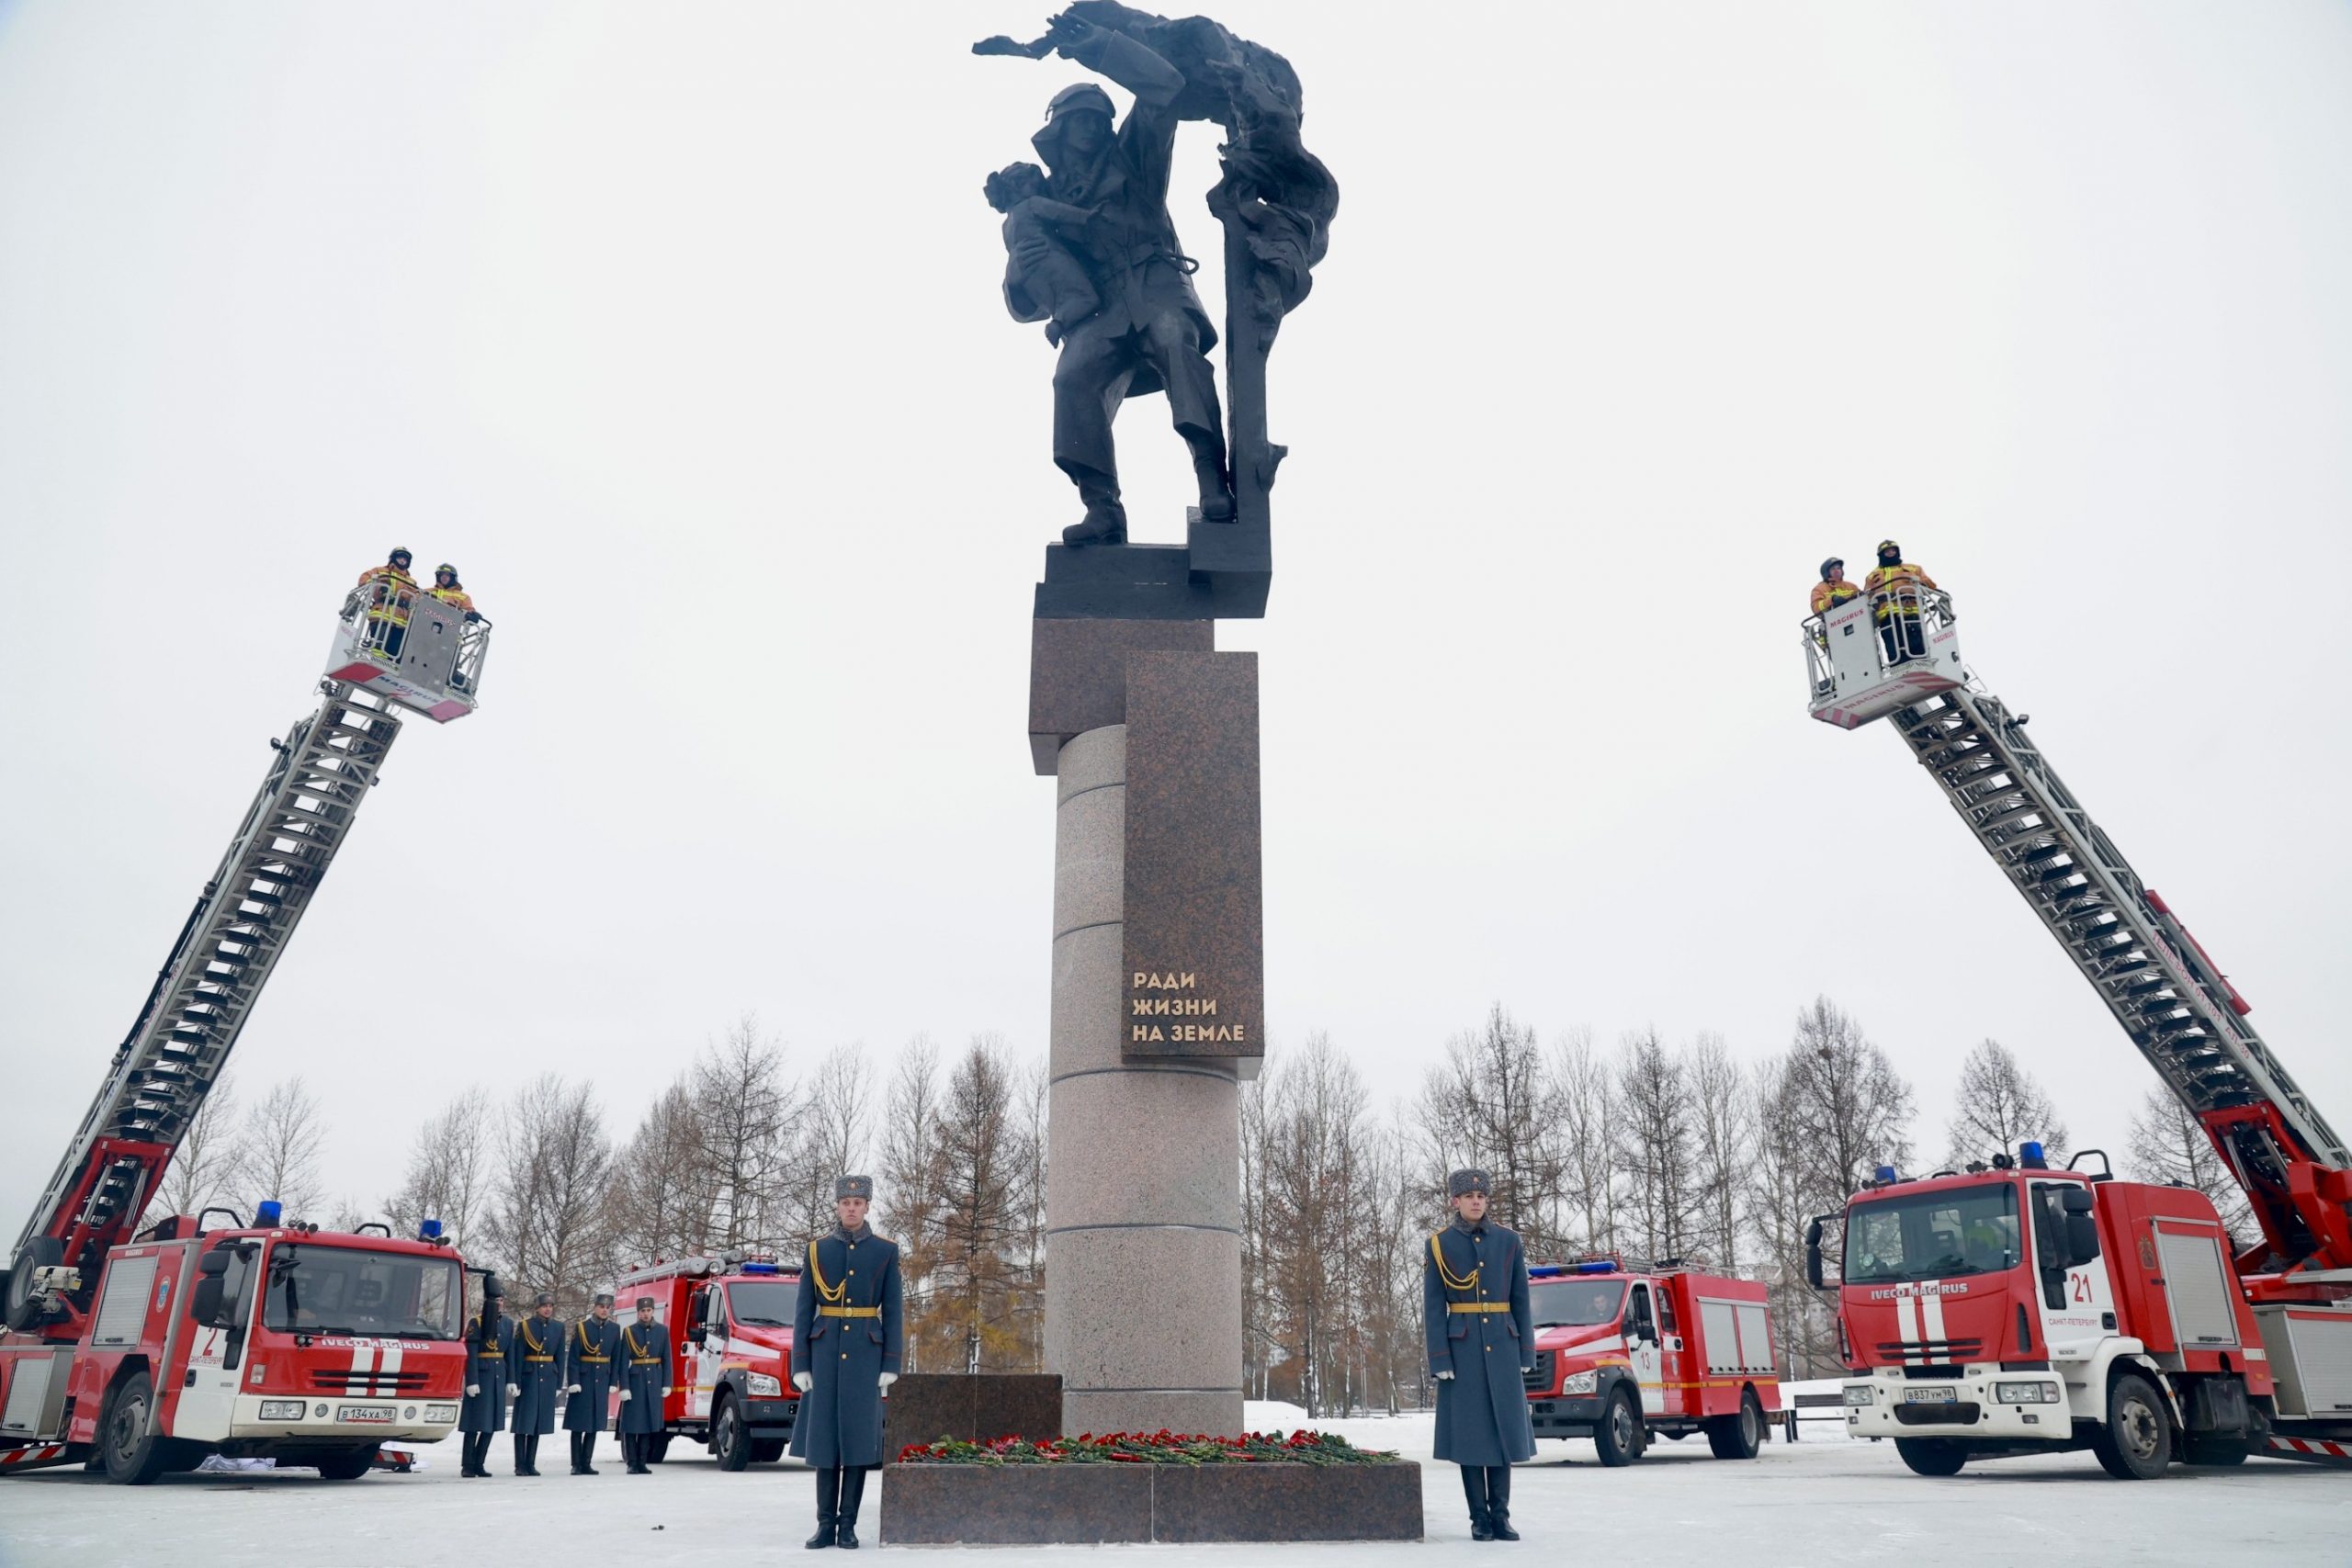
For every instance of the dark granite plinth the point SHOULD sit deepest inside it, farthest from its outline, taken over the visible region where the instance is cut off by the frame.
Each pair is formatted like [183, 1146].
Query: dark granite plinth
[943, 1505]
[1222, 573]
[923, 1407]
[1078, 675]
[1195, 982]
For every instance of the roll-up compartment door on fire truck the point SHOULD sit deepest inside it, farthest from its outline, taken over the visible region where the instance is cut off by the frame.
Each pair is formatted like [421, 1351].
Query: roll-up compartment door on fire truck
[122, 1311]
[2196, 1284]
[1755, 1336]
[1719, 1325]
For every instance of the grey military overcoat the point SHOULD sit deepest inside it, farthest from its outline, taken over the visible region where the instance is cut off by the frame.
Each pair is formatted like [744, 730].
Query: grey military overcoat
[846, 1332]
[1479, 1327]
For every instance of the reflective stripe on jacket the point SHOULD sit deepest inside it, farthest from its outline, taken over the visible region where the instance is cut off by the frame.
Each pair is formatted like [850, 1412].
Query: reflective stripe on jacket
[1826, 594]
[395, 591]
[459, 597]
[1885, 579]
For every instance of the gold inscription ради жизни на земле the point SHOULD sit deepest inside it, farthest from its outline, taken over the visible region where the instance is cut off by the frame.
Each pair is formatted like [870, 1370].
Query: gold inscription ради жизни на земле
[1177, 1007]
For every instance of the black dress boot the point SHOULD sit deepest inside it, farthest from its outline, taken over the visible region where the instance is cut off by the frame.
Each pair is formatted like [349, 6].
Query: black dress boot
[829, 1510]
[521, 1454]
[1498, 1502]
[633, 1446]
[1474, 1492]
[852, 1492]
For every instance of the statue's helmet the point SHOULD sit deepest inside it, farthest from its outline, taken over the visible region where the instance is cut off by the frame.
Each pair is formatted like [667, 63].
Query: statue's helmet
[1084, 97]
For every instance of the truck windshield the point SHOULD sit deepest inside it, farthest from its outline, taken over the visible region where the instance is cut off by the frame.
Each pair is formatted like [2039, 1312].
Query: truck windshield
[1934, 1236]
[1576, 1303]
[318, 1289]
[761, 1303]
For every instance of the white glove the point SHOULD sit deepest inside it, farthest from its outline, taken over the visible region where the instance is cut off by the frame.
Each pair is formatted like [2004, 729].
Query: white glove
[665, 1393]
[801, 1381]
[626, 1396]
[1524, 1371]
[1441, 1377]
[889, 1378]
[512, 1391]
[572, 1389]
[472, 1389]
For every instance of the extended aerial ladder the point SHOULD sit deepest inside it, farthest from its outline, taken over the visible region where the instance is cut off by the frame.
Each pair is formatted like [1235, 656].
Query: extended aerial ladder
[2178, 1007]
[230, 943]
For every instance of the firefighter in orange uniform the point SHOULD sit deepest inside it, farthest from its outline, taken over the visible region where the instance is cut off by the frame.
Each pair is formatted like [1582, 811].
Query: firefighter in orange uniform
[645, 1387]
[1833, 590]
[389, 594]
[1894, 586]
[449, 591]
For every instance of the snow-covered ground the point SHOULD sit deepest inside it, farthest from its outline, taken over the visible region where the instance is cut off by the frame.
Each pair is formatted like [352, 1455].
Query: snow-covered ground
[1822, 1501]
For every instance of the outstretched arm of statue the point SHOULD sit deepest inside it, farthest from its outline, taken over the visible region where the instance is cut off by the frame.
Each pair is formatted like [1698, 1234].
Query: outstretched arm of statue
[1152, 80]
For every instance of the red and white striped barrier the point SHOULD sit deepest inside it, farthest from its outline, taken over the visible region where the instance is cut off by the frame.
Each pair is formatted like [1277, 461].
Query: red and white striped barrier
[30, 1459]
[2310, 1447]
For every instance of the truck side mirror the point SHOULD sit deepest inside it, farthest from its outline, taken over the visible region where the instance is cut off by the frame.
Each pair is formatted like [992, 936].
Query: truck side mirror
[2081, 1239]
[1812, 1256]
[205, 1303]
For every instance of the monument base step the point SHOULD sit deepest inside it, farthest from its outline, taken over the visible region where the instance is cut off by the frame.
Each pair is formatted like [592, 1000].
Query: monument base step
[1078, 1505]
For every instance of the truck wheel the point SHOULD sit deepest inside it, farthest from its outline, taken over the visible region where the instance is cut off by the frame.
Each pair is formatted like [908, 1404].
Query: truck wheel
[2215, 1451]
[766, 1450]
[41, 1252]
[2136, 1443]
[1617, 1438]
[1930, 1456]
[1740, 1436]
[657, 1447]
[730, 1441]
[348, 1466]
[134, 1456]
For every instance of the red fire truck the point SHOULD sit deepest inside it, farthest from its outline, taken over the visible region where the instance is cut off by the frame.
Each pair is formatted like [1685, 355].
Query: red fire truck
[1625, 1351]
[141, 1353]
[2009, 1308]
[732, 1387]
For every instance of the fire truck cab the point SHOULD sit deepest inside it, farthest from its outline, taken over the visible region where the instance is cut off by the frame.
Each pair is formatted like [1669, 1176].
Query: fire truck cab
[1625, 1351]
[732, 1321]
[276, 1340]
[2014, 1309]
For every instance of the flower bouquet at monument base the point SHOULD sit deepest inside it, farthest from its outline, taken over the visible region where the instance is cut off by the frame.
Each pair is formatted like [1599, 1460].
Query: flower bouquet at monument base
[1163, 1447]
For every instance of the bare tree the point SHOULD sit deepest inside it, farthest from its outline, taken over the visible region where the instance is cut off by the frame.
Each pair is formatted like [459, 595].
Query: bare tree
[204, 1167]
[1998, 1107]
[657, 1197]
[1587, 1101]
[2168, 1143]
[1723, 1128]
[1654, 1147]
[981, 1166]
[277, 1149]
[830, 1124]
[911, 1204]
[1781, 1201]
[449, 1172]
[744, 1125]
[550, 1225]
[1314, 1201]
[1490, 1103]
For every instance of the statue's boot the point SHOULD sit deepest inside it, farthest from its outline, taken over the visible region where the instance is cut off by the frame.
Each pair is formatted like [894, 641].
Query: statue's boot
[1105, 521]
[1216, 489]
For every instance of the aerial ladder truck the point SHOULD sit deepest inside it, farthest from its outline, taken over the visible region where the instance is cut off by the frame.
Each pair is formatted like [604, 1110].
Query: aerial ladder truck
[140, 1351]
[2013, 1308]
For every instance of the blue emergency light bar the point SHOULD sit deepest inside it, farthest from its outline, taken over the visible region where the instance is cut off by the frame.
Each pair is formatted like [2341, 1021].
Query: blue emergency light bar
[2033, 1152]
[759, 1269]
[1885, 1174]
[429, 1230]
[1600, 1266]
[1544, 1271]
[266, 1213]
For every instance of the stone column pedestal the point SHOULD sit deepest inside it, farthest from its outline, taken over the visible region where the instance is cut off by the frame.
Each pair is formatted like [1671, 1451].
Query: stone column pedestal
[1143, 1204]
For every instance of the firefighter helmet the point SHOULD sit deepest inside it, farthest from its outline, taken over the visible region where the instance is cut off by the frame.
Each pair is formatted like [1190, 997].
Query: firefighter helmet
[1832, 564]
[1889, 550]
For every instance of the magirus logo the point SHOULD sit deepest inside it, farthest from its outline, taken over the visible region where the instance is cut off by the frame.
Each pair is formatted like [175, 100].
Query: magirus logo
[1921, 1288]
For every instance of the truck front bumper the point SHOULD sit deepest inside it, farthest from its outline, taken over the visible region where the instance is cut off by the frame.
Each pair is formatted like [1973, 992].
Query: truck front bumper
[1982, 1404]
[1563, 1416]
[770, 1417]
[341, 1418]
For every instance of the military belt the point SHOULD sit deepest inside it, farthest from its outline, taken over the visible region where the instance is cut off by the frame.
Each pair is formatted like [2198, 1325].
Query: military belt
[538, 1357]
[494, 1355]
[646, 1361]
[1477, 1306]
[594, 1360]
[849, 1312]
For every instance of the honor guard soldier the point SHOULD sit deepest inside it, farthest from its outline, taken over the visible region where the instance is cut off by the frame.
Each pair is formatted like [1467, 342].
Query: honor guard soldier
[539, 1344]
[489, 1338]
[845, 1345]
[591, 1373]
[1481, 1345]
[645, 1385]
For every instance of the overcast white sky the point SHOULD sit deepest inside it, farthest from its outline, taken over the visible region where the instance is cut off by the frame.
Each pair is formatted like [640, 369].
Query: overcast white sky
[676, 326]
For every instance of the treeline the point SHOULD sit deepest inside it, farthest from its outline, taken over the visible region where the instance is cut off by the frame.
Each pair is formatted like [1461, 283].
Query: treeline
[1646, 1147]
